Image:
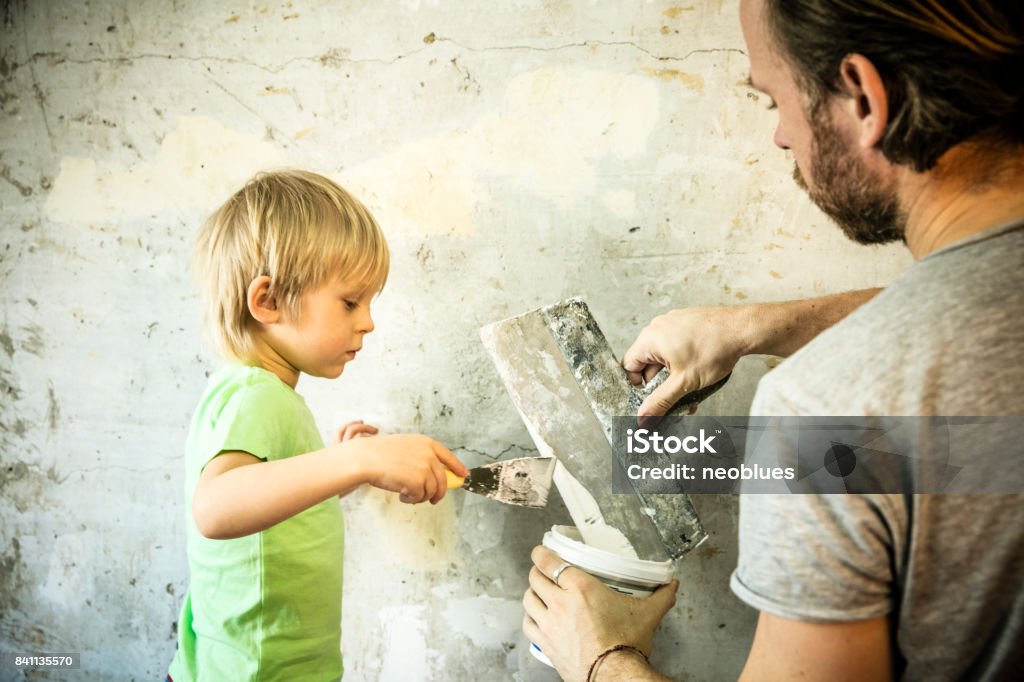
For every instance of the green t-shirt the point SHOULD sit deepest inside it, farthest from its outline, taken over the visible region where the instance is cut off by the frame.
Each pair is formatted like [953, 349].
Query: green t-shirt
[266, 606]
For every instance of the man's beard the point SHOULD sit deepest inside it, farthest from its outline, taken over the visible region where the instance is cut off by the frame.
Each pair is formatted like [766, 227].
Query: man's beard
[846, 191]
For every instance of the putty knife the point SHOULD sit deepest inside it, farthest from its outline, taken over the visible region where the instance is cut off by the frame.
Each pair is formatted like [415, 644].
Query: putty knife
[523, 482]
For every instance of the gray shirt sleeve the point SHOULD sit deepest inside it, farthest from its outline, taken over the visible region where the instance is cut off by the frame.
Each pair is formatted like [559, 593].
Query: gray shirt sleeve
[815, 557]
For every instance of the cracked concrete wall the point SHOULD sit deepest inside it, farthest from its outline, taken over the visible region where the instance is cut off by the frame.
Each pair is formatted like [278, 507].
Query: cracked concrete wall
[516, 153]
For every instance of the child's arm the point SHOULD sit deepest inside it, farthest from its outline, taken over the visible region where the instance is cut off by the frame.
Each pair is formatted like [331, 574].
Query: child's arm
[239, 494]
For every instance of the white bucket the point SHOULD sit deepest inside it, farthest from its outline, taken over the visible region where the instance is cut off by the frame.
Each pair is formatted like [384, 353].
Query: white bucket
[635, 577]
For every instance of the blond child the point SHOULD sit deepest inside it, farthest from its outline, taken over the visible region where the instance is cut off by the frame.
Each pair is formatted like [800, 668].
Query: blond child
[287, 269]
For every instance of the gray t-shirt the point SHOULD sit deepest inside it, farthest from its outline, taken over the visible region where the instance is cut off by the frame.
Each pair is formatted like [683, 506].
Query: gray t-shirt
[945, 339]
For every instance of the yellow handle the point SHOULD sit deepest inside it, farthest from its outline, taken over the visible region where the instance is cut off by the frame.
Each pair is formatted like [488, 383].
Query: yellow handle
[453, 480]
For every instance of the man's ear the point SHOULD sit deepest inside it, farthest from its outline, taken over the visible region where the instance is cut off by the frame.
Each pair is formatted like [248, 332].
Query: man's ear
[869, 103]
[262, 306]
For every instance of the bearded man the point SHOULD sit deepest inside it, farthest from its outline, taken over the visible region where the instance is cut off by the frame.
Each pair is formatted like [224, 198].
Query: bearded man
[906, 122]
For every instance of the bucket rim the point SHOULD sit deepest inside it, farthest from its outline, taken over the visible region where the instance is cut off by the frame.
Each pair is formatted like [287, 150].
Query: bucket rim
[567, 542]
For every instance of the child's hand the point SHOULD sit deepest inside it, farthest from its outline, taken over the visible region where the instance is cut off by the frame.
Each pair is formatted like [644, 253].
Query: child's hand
[354, 430]
[411, 465]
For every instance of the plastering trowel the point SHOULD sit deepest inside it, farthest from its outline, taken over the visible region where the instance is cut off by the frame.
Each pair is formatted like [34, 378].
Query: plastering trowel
[568, 387]
[523, 482]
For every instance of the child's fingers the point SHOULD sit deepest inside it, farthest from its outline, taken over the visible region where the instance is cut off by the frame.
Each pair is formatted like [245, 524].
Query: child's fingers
[442, 484]
[343, 431]
[450, 460]
[356, 429]
[429, 486]
[412, 495]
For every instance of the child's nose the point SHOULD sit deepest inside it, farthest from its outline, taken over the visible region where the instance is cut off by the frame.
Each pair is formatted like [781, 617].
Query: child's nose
[367, 323]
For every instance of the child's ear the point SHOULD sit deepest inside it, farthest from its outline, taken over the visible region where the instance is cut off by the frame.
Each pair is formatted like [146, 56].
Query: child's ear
[262, 306]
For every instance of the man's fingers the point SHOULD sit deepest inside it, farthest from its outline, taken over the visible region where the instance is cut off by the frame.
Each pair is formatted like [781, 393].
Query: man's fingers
[545, 589]
[664, 598]
[533, 605]
[545, 560]
[545, 563]
[532, 631]
[572, 577]
[650, 372]
[578, 580]
[639, 355]
[668, 394]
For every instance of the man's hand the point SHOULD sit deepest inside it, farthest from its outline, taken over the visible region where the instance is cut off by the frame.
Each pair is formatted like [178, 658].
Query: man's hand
[577, 619]
[699, 346]
[354, 430]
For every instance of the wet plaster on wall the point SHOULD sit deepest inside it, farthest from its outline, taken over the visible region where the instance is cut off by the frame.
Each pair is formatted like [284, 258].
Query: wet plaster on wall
[515, 156]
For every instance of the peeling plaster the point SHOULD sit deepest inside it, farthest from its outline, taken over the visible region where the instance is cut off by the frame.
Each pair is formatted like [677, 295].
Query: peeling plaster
[547, 137]
[487, 622]
[200, 163]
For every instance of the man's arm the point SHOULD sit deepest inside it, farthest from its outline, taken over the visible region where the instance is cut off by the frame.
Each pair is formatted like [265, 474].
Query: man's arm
[784, 328]
[858, 651]
[699, 346]
[831, 652]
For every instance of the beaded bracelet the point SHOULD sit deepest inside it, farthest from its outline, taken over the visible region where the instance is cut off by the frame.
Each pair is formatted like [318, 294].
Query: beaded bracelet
[611, 650]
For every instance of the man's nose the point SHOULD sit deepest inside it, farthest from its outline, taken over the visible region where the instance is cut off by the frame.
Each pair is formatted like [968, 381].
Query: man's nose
[780, 140]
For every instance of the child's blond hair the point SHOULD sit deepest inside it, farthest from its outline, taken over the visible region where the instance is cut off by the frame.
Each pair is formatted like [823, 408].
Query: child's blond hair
[296, 227]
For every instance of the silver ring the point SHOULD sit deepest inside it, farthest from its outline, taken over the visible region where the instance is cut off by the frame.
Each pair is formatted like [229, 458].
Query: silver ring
[558, 571]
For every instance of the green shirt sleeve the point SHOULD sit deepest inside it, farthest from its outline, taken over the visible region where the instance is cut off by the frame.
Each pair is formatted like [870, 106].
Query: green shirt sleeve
[256, 416]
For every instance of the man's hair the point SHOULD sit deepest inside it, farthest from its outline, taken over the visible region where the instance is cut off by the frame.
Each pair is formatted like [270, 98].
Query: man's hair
[952, 68]
[296, 227]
